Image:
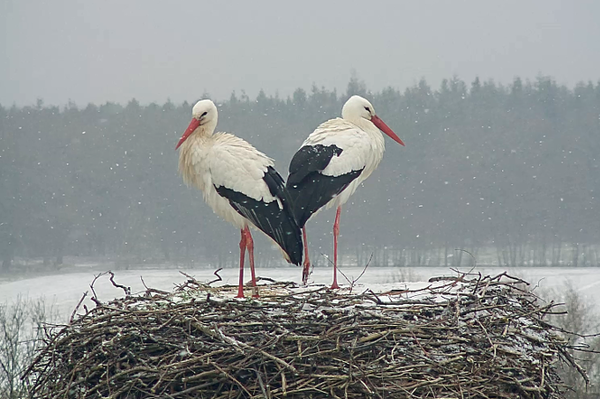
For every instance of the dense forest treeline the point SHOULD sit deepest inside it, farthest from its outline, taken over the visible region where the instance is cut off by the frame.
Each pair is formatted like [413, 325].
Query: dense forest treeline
[512, 168]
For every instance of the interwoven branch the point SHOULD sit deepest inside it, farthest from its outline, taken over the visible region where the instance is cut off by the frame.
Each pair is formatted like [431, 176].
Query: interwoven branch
[462, 337]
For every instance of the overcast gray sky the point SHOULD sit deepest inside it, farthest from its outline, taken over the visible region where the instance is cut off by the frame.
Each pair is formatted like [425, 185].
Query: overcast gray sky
[115, 50]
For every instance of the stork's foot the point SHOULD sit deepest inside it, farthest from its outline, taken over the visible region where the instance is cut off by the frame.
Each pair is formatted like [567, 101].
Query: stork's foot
[305, 273]
[335, 286]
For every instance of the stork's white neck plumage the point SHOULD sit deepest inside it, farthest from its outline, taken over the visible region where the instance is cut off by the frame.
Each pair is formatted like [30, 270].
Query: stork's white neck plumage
[205, 117]
[207, 128]
[368, 127]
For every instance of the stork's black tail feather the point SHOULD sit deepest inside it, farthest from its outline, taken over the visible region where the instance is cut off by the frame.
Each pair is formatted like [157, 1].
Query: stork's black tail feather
[309, 189]
[315, 191]
[275, 219]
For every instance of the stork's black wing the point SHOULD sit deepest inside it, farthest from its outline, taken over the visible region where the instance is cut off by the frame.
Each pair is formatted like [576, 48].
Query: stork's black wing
[275, 218]
[309, 189]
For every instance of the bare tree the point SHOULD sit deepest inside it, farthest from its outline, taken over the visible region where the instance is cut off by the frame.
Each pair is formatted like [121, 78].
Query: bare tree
[582, 321]
[22, 326]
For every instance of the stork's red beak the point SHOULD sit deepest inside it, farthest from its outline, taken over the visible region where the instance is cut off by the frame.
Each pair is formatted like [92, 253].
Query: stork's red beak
[386, 129]
[193, 126]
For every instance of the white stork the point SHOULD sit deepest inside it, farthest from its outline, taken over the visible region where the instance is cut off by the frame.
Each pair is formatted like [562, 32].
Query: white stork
[240, 184]
[332, 162]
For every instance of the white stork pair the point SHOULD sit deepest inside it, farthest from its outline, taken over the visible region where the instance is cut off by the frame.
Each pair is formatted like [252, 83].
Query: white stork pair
[241, 185]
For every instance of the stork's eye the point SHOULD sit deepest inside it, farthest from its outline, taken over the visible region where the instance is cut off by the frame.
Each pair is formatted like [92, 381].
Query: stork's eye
[368, 110]
[203, 114]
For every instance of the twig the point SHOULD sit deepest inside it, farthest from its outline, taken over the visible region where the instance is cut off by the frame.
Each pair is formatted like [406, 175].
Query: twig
[152, 290]
[77, 307]
[472, 256]
[94, 296]
[361, 274]
[126, 290]
[216, 273]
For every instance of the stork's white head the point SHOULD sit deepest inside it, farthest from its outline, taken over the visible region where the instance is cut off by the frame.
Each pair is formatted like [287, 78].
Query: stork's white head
[205, 111]
[358, 110]
[204, 114]
[357, 107]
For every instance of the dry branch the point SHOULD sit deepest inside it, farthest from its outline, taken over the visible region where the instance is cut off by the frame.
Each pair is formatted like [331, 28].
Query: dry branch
[465, 337]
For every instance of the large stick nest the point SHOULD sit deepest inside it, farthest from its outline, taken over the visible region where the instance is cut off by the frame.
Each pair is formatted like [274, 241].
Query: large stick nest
[463, 337]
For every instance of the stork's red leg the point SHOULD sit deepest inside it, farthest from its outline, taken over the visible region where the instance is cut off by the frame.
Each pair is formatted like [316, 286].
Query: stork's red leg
[336, 233]
[242, 256]
[306, 264]
[250, 246]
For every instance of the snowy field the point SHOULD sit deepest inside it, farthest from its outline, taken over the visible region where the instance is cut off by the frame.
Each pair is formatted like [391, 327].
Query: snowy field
[66, 290]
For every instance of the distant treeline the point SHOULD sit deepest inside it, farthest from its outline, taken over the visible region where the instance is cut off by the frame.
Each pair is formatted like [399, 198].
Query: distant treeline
[485, 166]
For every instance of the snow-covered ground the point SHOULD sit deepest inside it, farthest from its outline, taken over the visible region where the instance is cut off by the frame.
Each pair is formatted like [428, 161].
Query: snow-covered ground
[66, 290]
